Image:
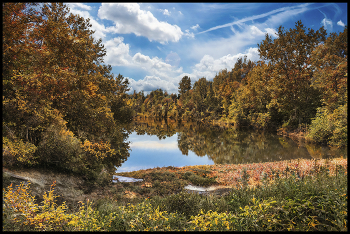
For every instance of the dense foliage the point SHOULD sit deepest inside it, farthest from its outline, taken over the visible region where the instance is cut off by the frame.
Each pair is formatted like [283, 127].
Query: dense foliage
[62, 107]
[300, 80]
[297, 195]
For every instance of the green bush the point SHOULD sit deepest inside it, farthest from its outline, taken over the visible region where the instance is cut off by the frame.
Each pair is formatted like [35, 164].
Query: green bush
[59, 147]
[330, 127]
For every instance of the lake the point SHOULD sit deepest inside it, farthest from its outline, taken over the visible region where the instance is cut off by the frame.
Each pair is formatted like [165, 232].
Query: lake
[161, 144]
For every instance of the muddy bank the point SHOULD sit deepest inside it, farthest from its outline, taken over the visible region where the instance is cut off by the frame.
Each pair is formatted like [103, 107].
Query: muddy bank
[70, 188]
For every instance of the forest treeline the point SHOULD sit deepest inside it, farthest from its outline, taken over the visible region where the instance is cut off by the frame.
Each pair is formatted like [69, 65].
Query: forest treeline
[62, 107]
[299, 83]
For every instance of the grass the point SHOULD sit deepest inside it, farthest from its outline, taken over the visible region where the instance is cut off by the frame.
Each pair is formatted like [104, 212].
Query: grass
[298, 195]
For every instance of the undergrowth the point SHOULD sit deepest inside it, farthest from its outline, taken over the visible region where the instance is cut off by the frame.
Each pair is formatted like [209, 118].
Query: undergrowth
[317, 202]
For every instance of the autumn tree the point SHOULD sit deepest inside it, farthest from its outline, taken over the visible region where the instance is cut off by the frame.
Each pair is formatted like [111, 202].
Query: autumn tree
[57, 94]
[330, 64]
[290, 71]
[226, 82]
[184, 85]
[250, 102]
[200, 94]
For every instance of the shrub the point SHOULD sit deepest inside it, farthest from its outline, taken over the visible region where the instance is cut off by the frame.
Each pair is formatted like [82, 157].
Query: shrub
[330, 127]
[18, 152]
[22, 213]
[59, 147]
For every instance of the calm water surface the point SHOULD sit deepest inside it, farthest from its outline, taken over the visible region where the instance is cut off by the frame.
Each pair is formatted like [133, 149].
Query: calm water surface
[170, 144]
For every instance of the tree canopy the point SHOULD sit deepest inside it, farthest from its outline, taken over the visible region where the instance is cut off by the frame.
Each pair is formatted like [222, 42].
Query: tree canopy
[57, 94]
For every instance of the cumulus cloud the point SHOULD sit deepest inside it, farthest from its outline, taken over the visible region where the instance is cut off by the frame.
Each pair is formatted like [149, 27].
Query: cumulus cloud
[117, 52]
[129, 18]
[208, 66]
[340, 23]
[148, 63]
[150, 83]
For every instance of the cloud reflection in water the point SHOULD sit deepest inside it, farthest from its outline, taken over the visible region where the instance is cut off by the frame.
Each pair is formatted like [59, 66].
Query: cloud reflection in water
[150, 152]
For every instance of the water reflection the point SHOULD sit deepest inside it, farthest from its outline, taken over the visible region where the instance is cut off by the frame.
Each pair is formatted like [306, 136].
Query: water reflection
[158, 144]
[149, 151]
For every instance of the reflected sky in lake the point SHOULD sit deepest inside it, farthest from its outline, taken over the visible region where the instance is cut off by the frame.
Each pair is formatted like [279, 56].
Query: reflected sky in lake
[149, 152]
[163, 145]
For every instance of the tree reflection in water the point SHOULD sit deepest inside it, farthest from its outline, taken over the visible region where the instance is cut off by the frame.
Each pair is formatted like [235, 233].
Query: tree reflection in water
[229, 146]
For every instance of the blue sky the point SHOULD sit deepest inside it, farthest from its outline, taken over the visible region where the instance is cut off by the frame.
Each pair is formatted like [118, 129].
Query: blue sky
[155, 44]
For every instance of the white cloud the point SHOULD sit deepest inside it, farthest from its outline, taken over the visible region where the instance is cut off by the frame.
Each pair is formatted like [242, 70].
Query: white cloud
[155, 145]
[117, 52]
[284, 12]
[150, 83]
[167, 77]
[129, 18]
[208, 66]
[195, 27]
[83, 6]
[271, 32]
[147, 63]
[165, 11]
[250, 34]
[189, 34]
[79, 5]
[255, 31]
[327, 22]
[340, 23]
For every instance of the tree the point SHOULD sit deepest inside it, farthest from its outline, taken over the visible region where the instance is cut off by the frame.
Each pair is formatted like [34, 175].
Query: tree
[184, 85]
[57, 95]
[200, 93]
[330, 64]
[289, 58]
[251, 100]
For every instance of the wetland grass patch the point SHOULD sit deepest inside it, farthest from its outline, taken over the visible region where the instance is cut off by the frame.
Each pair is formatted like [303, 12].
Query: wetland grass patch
[297, 196]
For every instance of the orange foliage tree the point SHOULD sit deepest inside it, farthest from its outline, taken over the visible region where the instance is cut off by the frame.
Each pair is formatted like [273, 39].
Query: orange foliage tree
[57, 92]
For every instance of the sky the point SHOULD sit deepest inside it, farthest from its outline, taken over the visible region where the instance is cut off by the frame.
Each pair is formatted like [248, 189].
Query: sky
[154, 45]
